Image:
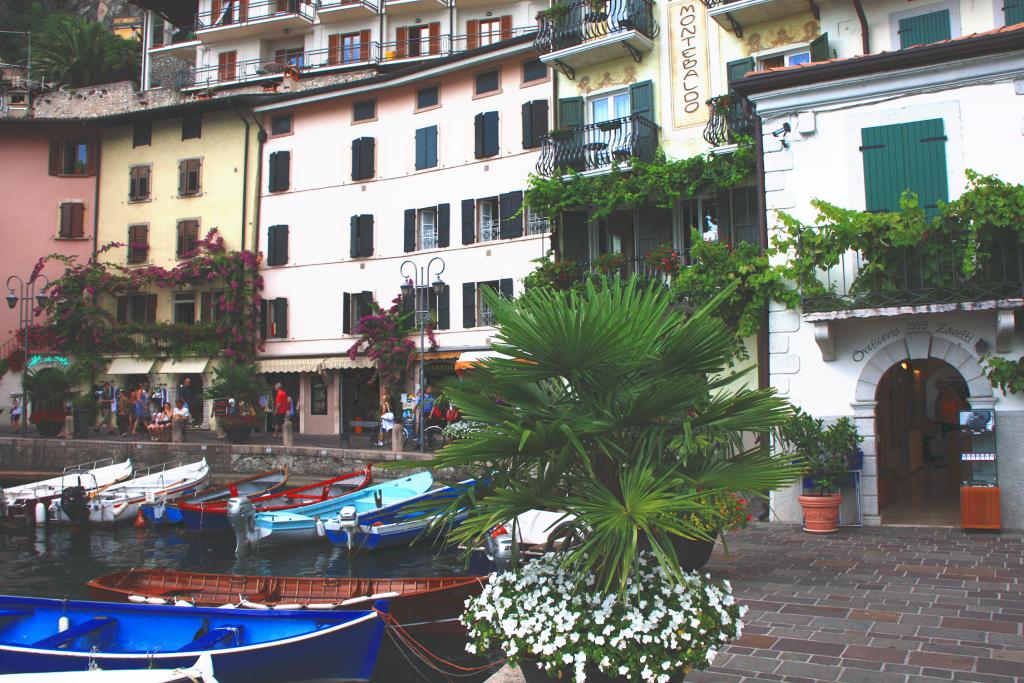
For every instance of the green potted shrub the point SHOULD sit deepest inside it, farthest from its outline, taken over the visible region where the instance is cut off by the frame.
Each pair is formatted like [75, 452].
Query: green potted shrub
[555, 15]
[826, 453]
[613, 408]
[48, 389]
[239, 387]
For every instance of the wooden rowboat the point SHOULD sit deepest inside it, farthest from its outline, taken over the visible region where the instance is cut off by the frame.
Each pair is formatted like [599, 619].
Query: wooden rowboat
[262, 484]
[426, 605]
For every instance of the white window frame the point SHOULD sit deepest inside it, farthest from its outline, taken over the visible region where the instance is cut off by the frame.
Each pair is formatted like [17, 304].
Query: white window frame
[490, 31]
[426, 230]
[536, 224]
[484, 315]
[489, 226]
[184, 297]
[785, 52]
[610, 96]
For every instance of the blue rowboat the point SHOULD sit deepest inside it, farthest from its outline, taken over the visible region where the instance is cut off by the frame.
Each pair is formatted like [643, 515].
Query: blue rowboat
[360, 527]
[301, 523]
[245, 646]
[266, 483]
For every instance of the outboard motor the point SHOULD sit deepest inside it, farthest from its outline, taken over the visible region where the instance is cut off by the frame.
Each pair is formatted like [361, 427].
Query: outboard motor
[74, 503]
[378, 498]
[348, 521]
[242, 517]
[499, 551]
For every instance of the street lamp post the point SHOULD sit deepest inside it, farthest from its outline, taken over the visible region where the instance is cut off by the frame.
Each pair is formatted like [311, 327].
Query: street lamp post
[26, 300]
[416, 285]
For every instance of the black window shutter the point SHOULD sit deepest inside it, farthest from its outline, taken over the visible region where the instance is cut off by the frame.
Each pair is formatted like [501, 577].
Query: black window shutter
[432, 147]
[353, 242]
[478, 136]
[271, 246]
[282, 245]
[505, 287]
[151, 308]
[284, 167]
[444, 316]
[421, 148]
[357, 171]
[410, 229]
[443, 225]
[469, 304]
[527, 125]
[366, 235]
[511, 224]
[490, 133]
[122, 309]
[346, 313]
[272, 170]
[263, 318]
[540, 121]
[281, 318]
[365, 299]
[468, 221]
[366, 154]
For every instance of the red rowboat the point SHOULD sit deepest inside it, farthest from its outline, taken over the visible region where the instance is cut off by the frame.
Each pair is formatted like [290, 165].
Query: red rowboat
[211, 515]
[424, 605]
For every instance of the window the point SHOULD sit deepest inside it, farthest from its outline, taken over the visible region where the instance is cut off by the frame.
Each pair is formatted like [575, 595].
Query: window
[427, 232]
[142, 133]
[280, 171]
[363, 156]
[184, 308]
[211, 306]
[427, 228]
[367, 110]
[729, 217]
[608, 107]
[348, 48]
[1013, 12]
[536, 224]
[227, 63]
[274, 318]
[290, 56]
[317, 395]
[793, 57]
[429, 305]
[277, 245]
[923, 29]
[535, 122]
[428, 97]
[905, 156]
[281, 125]
[488, 82]
[189, 177]
[482, 32]
[426, 148]
[72, 220]
[188, 235]
[138, 243]
[139, 183]
[354, 306]
[361, 238]
[535, 70]
[72, 157]
[421, 40]
[489, 222]
[191, 126]
[486, 134]
[136, 308]
[475, 310]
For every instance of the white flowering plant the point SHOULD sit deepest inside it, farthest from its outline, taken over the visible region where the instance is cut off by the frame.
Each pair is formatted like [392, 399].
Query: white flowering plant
[656, 629]
[459, 430]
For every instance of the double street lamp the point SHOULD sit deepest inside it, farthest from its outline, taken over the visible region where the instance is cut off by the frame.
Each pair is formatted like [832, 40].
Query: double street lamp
[26, 300]
[415, 285]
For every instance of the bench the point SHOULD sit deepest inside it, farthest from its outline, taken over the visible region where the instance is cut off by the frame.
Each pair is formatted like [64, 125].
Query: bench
[213, 638]
[365, 424]
[74, 633]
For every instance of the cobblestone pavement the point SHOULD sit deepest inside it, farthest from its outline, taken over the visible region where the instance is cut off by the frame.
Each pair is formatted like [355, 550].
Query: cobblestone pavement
[886, 604]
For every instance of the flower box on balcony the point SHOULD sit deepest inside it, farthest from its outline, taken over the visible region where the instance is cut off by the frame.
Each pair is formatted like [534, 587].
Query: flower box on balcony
[608, 126]
[560, 134]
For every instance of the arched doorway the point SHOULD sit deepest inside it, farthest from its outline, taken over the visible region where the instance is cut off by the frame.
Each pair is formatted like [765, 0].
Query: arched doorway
[918, 442]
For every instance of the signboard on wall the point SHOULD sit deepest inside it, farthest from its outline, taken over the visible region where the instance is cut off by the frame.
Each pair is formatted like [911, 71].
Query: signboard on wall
[691, 79]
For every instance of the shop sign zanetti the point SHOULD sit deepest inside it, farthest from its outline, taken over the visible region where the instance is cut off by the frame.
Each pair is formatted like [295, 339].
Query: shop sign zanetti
[864, 348]
[691, 83]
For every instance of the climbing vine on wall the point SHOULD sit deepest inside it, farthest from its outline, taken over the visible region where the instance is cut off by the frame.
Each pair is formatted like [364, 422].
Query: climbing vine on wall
[384, 337]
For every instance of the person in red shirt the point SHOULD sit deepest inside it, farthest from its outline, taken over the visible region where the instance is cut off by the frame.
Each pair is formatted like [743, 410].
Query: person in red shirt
[280, 408]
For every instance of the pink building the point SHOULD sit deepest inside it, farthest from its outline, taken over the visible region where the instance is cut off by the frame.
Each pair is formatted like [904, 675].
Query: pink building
[48, 173]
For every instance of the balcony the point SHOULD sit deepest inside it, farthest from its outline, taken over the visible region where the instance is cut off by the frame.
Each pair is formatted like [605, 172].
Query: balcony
[416, 48]
[596, 147]
[339, 10]
[915, 278]
[414, 7]
[584, 32]
[733, 15]
[238, 18]
[729, 120]
[180, 43]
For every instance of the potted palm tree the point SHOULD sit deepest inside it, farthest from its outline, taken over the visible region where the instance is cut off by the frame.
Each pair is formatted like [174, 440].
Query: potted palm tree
[239, 386]
[827, 453]
[48, 389]
[619, 413]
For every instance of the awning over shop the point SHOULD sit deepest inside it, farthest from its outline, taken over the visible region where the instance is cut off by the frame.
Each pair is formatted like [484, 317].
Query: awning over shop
[130, 366]
[283, 365]
[185, 366]
[468, 359]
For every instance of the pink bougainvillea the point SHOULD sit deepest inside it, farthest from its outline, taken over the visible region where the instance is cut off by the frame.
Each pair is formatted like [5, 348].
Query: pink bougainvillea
[384, 336]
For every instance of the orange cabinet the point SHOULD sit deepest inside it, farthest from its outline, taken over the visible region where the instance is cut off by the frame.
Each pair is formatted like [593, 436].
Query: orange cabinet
[979, 508]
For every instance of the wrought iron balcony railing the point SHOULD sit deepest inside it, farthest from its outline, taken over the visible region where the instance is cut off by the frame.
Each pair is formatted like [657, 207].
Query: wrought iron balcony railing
[568, 24]
[730, 119]
[914, 278]
[236, 12]
[597, 146]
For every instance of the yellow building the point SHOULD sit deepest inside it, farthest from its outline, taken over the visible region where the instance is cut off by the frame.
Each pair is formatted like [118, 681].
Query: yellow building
[171, 177]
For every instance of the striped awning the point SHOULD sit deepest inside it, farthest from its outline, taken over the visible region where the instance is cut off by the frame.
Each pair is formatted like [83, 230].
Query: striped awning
[185, 366]
[130, 366]
[470, 358]
[270, 366]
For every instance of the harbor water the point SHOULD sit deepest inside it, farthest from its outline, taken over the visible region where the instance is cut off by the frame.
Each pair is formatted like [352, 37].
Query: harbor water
[56, 562]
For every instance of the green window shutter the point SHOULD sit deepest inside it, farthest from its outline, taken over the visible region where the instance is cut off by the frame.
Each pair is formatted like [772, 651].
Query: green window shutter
[570, 112]
[735, 70]
[820, 51]
[924, 29]
[641, 99]
[444, 316]
[353, 239]
[905, 156]
[426, 147]
[468, 304]
[443, 225]
[366, 234]
[280, 318]
[346, 312]
[1013, 11]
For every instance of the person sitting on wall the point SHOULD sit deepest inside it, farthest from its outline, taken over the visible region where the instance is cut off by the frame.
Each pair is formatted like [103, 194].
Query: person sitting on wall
[181, 413]
[16, 413]
[161, 423]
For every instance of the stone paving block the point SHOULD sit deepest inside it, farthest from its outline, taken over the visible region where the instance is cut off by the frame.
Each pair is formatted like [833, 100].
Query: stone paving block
[808, 647]
[942, 660]
[752, 663]
[1001, 667]
[806, 669]
[939, 674]
[866, 676]
[981, 625]
[879, 654]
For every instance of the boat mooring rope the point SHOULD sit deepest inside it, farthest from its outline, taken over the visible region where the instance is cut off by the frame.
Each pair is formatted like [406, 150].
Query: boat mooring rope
[425, 655]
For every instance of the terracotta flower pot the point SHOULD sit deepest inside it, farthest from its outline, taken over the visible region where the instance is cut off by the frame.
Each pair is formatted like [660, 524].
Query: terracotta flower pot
[821, 513]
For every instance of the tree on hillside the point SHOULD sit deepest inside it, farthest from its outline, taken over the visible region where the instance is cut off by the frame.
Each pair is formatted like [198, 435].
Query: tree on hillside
[77, 52]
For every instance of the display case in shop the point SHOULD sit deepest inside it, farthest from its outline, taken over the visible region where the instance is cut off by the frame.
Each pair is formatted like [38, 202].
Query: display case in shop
[979, 475]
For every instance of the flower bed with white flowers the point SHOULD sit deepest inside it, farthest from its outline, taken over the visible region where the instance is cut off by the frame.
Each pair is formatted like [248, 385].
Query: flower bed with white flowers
[656, 630]
[459, 430]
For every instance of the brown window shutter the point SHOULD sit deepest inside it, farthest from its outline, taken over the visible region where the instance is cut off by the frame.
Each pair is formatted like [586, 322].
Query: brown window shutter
[78, 220]
[122, 309]
[151, 308]
[334, 48]
[243, 10]
[55, 149]
[133, 186]
[65, 220]
[226, 66]
[142, 233]
[206, 307]
[472, 33]
[506, 27]
[182, 177]
[215, 9]
[402, 33]
[364, 45]
[90, 157]
[434, 43]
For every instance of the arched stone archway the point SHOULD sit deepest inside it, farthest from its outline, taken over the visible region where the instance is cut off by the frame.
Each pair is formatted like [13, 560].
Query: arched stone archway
[920, 346]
